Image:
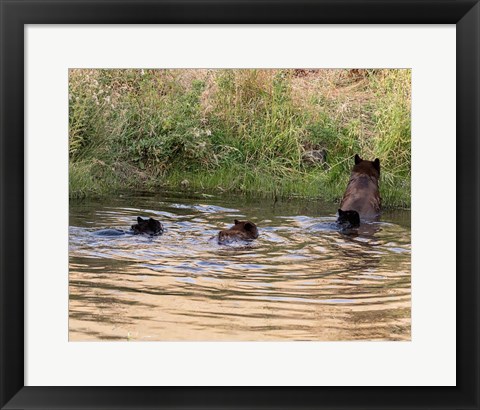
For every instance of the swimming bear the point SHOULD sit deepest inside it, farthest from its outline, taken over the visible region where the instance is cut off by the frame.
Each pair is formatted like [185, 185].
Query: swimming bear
[242, 230]
[362, 193]
[348, 219]
[149, 226]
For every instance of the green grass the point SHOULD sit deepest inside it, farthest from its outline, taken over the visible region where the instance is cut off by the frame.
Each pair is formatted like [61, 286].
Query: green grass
[238, 131]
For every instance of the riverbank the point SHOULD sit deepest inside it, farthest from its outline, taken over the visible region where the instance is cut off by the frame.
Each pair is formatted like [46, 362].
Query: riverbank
[272, 133]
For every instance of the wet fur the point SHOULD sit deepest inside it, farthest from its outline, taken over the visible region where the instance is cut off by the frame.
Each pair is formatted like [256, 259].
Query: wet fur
[348, 219]
[362, 193]
[242, 230]
[147, 226]
[111, 232]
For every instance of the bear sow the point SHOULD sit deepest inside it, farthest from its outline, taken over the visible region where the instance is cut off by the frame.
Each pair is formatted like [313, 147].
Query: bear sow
[362, 193]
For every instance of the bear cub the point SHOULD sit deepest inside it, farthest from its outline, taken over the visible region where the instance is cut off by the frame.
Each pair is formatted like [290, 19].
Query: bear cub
[362, 194]
[242, 230]
[348, 219]
[147, 226]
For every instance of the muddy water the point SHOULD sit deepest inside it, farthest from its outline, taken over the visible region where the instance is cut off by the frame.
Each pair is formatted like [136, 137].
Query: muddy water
[300, 280]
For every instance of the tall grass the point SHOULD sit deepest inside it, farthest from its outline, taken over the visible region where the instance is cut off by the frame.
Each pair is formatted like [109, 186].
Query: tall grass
[241, 131]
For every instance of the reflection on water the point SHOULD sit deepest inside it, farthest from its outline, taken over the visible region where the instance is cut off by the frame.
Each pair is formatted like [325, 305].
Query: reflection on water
[301, 280]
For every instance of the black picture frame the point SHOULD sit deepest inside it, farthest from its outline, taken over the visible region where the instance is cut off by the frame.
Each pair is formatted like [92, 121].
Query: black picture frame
[16, 14]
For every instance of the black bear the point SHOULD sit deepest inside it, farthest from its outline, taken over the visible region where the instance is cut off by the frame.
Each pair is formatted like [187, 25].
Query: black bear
[362, 193]
[348, 219]
[148, 226]
[143, 226]
[244, 230]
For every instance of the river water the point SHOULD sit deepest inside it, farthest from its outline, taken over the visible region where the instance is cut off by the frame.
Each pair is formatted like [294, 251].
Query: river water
[300, 280]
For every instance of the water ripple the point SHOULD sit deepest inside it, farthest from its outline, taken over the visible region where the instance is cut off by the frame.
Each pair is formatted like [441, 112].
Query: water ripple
[301, 279]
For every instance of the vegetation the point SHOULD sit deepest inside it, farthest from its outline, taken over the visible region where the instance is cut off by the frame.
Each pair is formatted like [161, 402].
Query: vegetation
[242, 131]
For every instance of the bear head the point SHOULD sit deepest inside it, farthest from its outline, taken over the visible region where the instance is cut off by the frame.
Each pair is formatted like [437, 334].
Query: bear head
[371, 168]
[147, 226]
[247, 227]
[350, 219]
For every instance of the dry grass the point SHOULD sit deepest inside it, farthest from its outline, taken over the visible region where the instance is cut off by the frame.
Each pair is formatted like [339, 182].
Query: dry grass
[252, 127]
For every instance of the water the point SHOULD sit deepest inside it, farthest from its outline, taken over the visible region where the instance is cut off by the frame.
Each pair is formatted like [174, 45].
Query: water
[300, 280]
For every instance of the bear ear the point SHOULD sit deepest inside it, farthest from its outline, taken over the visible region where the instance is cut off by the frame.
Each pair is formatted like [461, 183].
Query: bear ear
[376, 164]
[357, 159]
[236, 221]
[248, 226]
[139, 220]
[340, 212]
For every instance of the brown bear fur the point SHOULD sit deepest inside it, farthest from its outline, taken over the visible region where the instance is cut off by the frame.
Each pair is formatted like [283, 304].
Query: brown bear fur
[362, 193]
[244, 230]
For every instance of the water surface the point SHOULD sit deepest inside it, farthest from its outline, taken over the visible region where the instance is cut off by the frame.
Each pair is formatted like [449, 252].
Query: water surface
[300, 280]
